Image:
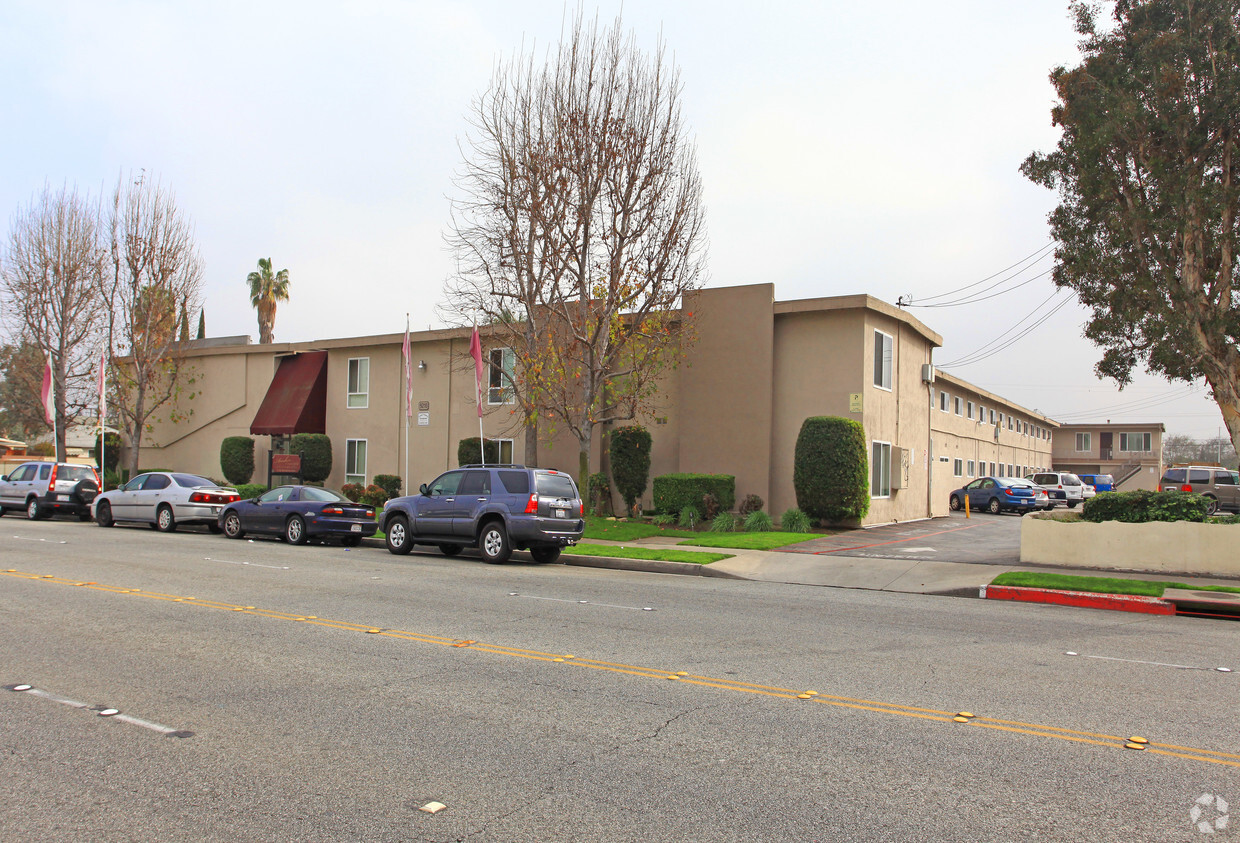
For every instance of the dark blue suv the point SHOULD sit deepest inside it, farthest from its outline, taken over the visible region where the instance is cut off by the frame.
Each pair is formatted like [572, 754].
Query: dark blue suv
[495, 508]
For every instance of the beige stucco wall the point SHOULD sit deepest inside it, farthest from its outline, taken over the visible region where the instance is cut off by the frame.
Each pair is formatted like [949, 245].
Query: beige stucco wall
[1090, 461]
[1181, 547]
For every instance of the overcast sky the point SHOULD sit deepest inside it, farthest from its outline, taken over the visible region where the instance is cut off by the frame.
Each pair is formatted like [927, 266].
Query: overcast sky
[843, 150]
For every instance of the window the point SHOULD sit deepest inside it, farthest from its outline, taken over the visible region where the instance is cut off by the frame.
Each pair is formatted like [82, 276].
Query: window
[1000, 474]
[970, 413]
[882, 360]
[499, 377]
[943, 399]
[505, 450]
[355, 461]
[1011, 472]
[971, 467]
[958, 468]
[960, 406]
[981, 413]
[359, 382]
[475, 483]
[1134, 441]
[1011, 424]
[992, 416]
[1082, 442]
[992, 469]
[880, 470]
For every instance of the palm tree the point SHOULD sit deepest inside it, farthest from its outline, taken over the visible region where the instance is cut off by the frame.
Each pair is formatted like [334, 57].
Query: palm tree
[266, 290]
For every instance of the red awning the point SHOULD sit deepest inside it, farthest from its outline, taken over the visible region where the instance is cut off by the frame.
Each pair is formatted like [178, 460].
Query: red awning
[296, 401]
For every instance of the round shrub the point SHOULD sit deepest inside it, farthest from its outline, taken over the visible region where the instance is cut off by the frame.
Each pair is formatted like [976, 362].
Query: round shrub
[316, 455]
[374, 496]
[389, 483]
[795, 521]
[353, 491]
[758, 522]
[724, 522]
[630, 462]
[751, 503]
[831, 468]
[236, 459]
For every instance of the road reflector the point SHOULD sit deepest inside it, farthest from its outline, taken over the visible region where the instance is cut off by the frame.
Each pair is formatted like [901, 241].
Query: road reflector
[433, 807]
[238, 608]
[1138, 740]
[1133, 745]
[673, 677]
[682, 673]
[48, 576]
[22, 687]
[557, 660]
[964, 716]
[1223, 669]
[108, 712]
[373, 631]
[805, 696]
[570, 657]
[812, 693]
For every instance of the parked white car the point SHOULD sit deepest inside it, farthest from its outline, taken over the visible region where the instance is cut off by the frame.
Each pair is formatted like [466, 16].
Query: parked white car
[1063, 488]
[164, 499]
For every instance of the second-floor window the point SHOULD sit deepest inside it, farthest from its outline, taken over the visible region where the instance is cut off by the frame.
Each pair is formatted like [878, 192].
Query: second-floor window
[499, 376]
[1082, 442]
[1135, 442]
[882, 359]
[359, 382]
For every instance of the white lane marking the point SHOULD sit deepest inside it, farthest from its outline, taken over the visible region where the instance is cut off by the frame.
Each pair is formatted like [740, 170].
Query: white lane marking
[1156, 664]
[918, 550]
[581, 602]
[48, 541]
[110, 713]
[251, 564]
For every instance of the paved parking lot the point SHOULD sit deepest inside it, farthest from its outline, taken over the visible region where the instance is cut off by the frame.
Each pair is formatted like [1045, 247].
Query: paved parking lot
[985, 538]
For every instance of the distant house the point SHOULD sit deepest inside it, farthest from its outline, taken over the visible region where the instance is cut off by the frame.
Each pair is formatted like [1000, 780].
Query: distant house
[1130, 453]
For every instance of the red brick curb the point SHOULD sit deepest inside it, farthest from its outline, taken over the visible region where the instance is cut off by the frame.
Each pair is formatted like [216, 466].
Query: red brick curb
[1085, 599]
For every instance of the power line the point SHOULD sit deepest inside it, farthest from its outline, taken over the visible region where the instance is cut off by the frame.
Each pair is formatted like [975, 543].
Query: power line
[1039, 254]
[987, 351]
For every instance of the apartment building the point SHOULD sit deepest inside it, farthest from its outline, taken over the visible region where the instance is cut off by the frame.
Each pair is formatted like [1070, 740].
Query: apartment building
[1130, 453]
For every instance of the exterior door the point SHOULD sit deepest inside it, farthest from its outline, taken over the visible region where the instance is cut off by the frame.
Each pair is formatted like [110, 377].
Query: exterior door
[147, 499]
[472, 495]
[1105, 443]
[437, 507]
[13, 490]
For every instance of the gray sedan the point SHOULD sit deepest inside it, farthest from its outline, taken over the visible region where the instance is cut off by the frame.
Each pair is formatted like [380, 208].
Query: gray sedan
[164, 499]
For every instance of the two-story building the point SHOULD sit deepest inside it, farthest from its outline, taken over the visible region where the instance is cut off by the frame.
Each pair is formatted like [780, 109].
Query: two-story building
[1130, 453]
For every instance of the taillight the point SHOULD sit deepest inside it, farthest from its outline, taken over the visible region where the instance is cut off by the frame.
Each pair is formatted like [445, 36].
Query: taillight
[332, 510]
[531, 508]
[98, 482]
[51, 483]
[213, 497]
[581, 509]
[1182, 488]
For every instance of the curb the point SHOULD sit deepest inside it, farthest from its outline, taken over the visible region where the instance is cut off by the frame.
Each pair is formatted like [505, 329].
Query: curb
[649, 566]
[1083, 599]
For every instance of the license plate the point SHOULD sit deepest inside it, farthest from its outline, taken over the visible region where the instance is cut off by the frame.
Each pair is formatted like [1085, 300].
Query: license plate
[559, 513]
[357, 528]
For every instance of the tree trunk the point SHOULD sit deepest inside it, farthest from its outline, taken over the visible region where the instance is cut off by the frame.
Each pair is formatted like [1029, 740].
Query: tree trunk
[583, 464]
[531, 443]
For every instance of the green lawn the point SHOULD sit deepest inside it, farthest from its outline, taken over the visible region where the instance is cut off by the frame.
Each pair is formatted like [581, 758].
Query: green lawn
[663, 555]
[1099, 585]
[627, 531]
[750, 541]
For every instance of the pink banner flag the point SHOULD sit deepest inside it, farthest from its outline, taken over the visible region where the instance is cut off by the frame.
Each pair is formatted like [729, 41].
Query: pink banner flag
[408, 355]
[49, 394]
[103, 390]
[475, 351]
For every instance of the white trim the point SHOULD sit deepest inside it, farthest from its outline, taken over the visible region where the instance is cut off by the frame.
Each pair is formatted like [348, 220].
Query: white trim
[874, 465]
[365, 457]
[363, 393]
[888, 370]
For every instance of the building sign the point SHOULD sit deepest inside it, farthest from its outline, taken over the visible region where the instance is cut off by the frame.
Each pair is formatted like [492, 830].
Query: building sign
[286, 464]
[854, 402]
[424, 419]
[424, 405]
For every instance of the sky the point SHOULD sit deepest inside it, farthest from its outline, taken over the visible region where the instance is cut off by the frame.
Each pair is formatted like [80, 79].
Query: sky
[844, 148]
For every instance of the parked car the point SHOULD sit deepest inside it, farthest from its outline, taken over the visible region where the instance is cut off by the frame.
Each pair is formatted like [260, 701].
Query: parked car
[1100, 482]
[1087, 491]
[495, 508]
[1062, 487]
[44, 489]
[999, 494]
[299, 513]
[164, 500]
[1220, 486]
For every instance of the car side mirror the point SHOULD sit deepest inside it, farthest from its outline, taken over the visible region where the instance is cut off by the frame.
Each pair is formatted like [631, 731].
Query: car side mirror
[424, 490]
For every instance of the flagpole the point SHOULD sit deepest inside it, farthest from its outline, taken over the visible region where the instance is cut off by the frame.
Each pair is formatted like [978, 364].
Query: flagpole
[408, 398]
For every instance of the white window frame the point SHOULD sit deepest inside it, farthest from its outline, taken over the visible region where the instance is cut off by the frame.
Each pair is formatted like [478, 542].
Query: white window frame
[504, 392]
[969, 416]
[992, 415]
[959, 406]
[505, 448]
[880, 469]
[884, 360]
[358, 399]
[972, 468]
[1086, 439]
[958, 468]
[350, 461]
[945, 401]
[1146, 440]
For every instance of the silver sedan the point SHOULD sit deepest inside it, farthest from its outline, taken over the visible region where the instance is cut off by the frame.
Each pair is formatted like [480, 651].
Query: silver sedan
[164, 499]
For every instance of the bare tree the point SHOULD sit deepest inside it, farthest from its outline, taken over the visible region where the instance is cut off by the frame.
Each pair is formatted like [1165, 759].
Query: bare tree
[588, 226]
[154, 267]
[50, 281]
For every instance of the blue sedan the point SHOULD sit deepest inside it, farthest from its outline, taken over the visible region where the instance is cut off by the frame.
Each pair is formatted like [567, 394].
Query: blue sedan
[298, 513]
[1000, 494]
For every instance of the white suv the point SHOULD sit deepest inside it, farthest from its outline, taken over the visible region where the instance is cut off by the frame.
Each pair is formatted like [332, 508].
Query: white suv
[43, 489]
[1062, 488]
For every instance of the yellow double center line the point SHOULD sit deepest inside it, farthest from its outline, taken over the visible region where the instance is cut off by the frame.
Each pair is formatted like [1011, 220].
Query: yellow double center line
[1113, 741]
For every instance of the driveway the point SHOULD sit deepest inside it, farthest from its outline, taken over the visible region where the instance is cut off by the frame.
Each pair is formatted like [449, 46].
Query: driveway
[981, 538]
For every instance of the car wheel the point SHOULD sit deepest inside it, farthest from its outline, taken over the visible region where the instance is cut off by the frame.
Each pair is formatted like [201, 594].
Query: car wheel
[550, 554]
[398, 538]
[84, 515]
[994, 507]
[1211, 505]
[351, 541]
[164, 522]
[214, 527]
[295, 530]
[232, 525]
[103, 515]
[1072, 504]
[34, 511]
[955, 504]
[450, 549]
[493, 542]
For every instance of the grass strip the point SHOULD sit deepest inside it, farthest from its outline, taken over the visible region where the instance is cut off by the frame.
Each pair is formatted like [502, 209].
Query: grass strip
[1100, 585]
[627, 531]
[1191, 587]
[750, 541]
[652, 553]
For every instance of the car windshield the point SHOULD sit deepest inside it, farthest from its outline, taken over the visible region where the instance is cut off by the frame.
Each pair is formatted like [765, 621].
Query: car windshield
[313, 493]
[191, 481]
[555, 485]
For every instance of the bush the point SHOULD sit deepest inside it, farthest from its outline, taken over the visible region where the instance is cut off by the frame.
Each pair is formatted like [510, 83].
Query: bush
[316, 455]
[751, 503]
[1143, 506]
[688, 518]
[630, 463]
[468, 452]
[111, 480]
[249, 490]
[831, 469]
[710, 506]
[758, 522]
[42, 449]
[599, 493]
[237, 459]
[353, 491]
[374, 495]
[674, 492]
[795, 521]
[112, 453]
[389, 483]
[724, 522]
[663, 520]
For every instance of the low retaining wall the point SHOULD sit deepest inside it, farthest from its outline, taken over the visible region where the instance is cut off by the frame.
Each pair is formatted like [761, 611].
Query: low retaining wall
[1180, 547]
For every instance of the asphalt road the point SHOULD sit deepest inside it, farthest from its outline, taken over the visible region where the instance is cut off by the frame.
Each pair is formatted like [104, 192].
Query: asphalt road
[330, 694]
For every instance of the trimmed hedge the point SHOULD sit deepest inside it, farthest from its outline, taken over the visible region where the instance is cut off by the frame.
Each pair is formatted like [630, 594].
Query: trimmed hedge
[675, 492]
[250, 490]
[1142, 506]
[630, 462]
[831, 469]
[237, 459]
[468, 452]
[112, 453]
[389, 483]
[316, 455]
